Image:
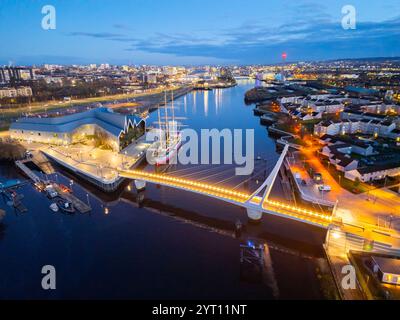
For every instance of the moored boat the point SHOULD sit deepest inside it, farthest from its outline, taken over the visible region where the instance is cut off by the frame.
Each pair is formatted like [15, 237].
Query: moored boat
[170, 139]
[54, 207]
[65, 206]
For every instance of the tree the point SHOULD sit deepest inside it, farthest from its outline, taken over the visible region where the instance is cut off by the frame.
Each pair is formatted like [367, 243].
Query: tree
[11, 151]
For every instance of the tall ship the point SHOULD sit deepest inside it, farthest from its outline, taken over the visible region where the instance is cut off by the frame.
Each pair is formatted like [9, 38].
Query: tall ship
[169, 140]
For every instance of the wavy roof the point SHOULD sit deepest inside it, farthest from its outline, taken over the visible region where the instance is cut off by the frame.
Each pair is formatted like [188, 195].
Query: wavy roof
[113, 123]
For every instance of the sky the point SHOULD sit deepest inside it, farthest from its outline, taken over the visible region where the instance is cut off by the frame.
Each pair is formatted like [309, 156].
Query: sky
[183, 32]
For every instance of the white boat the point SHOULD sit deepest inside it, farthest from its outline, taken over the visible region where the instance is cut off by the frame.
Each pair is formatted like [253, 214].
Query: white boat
[163, 155]
[54, 207]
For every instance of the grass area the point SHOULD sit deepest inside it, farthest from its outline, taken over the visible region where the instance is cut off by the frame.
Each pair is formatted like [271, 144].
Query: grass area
[298, 141]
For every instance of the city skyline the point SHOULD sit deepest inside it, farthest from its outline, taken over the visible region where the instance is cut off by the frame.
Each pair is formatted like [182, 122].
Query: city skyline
[231, 32]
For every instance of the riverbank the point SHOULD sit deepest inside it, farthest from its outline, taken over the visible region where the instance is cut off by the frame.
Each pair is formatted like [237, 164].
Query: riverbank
[141, 100]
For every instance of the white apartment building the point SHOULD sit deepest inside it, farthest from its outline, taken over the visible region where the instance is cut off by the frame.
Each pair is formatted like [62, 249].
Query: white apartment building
[373, 127]
[374, 173]
[15, 92]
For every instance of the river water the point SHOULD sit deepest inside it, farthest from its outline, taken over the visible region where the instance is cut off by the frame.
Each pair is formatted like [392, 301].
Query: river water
[163, 243]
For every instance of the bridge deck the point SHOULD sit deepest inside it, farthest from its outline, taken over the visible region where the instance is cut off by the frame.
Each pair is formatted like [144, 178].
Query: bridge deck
[232, 196]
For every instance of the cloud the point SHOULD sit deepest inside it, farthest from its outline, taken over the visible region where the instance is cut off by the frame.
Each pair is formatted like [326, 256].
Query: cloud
[304, 39]
[314, 35]
[101, 35]
[104, 35]
[121, 26]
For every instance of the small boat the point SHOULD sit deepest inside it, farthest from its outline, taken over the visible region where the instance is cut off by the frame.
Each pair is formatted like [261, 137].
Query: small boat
[267, 119]
[54, 207]
[65, 189]
[65, 206]
[51, 192]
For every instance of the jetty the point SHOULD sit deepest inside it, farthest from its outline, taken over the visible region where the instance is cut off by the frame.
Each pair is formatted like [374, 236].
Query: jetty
[28, 172]
[44, 163]
[15, 199]
[78, 204]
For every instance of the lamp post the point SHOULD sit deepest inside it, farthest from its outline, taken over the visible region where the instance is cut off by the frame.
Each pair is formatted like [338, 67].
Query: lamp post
[88, 201]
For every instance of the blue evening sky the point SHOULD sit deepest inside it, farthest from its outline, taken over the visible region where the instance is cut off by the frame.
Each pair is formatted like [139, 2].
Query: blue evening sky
[195, 32]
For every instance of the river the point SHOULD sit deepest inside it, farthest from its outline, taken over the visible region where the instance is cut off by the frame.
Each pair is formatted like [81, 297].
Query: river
[163, 244]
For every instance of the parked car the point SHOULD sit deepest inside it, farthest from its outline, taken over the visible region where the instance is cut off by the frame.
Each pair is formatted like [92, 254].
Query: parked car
[317, 177]
[324, 188]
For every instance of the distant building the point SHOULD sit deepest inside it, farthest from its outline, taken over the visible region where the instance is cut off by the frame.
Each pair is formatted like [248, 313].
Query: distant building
[151, 77]
[15, 74]
[377, 172]
[304, 116]
[340, 156]
[383, 128]
[15, 92]
[117, 130]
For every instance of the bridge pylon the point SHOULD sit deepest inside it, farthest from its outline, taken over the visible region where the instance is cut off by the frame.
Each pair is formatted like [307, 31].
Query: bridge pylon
[255, 203]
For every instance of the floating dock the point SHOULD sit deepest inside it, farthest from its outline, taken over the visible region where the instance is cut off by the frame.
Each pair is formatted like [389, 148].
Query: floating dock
[78, 204]
[30, 174]
[15, 199]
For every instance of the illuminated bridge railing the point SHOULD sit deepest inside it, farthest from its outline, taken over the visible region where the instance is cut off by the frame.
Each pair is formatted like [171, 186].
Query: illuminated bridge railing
[187, 184]
[283, 209]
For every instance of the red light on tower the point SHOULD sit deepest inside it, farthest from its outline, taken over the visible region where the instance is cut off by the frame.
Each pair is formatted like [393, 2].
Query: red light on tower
[284, 56]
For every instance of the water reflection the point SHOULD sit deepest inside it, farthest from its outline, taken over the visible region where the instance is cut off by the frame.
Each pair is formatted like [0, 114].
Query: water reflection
[205, 103]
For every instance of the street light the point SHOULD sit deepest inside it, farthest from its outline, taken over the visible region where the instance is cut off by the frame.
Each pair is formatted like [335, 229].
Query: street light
[88, 201]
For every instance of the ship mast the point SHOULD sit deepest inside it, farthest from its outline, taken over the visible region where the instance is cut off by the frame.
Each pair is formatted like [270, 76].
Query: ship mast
[173, 113]
[166, 117]
[159, 123]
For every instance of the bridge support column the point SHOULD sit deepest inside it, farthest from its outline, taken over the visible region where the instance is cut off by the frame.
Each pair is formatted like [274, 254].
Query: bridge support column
[254, 214]
[140, 185]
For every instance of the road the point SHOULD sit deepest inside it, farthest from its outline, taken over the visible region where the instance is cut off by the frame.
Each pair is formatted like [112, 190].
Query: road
[371, 207]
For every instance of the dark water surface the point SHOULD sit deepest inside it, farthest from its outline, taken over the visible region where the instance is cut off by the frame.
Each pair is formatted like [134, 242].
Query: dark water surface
[163, 244]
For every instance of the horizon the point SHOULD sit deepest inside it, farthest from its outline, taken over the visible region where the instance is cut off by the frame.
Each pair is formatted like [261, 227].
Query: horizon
[205, 65]
[232, 33]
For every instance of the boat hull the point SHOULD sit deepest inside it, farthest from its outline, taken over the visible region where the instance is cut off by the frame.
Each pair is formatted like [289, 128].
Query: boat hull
[165, 159]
